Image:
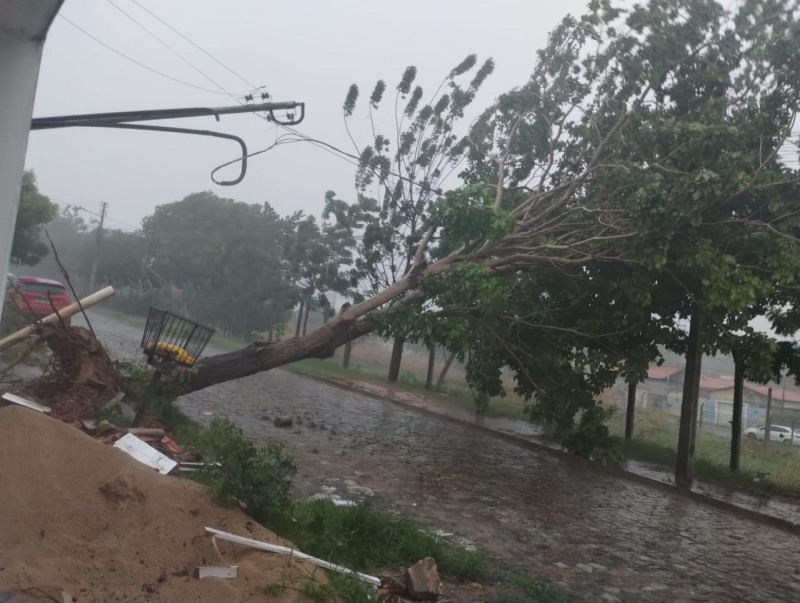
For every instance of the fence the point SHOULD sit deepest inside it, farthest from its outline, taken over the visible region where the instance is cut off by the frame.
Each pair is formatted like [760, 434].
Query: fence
[714, 414]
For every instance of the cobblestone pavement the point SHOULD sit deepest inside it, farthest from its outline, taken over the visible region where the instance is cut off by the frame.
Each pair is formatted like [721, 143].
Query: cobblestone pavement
[600, 538]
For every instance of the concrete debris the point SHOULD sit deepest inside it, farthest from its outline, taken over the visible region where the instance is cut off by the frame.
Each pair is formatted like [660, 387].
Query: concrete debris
[217, 571]
[144, 453]
[283, 421]
[422, 580]
[392, 586]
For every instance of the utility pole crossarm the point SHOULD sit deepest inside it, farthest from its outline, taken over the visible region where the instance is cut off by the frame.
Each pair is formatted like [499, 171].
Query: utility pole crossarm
[64, 121]
[127, 119]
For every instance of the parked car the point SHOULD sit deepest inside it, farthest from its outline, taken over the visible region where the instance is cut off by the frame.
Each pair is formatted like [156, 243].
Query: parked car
[777, 433]
[37, 293]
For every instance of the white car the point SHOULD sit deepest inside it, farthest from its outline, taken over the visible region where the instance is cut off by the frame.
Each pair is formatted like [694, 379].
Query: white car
[777, 433]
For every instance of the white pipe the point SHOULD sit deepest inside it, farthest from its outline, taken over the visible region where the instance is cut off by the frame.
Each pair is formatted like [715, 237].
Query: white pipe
[283, 550]
[71, 310]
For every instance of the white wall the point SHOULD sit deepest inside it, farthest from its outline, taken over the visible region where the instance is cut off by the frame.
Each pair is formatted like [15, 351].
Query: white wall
[19, 69]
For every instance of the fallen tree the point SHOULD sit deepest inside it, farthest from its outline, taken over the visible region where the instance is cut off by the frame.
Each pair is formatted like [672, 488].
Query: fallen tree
[636, 179]
[643, 137]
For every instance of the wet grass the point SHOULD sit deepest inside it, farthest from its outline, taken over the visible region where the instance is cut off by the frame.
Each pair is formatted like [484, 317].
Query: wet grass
[337, 587]
[764, 470]
[521, 588]
[366, 538]
[510, 407]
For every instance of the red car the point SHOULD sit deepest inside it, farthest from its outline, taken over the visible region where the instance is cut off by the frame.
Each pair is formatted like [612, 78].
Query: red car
[37, 301]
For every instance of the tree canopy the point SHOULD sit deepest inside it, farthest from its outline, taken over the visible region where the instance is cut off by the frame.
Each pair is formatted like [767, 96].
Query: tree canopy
[632, 182]
[35, 210]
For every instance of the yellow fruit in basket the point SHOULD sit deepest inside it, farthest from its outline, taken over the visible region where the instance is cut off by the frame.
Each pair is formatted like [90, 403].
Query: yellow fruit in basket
[173, 351]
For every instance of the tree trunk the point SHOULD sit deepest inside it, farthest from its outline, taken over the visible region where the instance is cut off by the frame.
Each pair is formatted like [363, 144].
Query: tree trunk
[272, 314]
[300, 317]
[261, 356]
[348, 347]
[684, 467]
[448, 361]
[144, 401]
[431, 365]
[397, 357]
[738, 402]
[631, 408]
[308, 311]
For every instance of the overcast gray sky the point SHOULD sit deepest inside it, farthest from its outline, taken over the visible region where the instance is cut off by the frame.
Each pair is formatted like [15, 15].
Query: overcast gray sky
[310, 51]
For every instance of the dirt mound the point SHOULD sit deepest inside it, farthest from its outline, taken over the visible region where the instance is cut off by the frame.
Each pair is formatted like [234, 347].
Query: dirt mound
[86, 518]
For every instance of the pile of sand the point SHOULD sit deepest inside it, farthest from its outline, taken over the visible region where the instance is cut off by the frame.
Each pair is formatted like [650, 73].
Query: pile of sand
[79, 516]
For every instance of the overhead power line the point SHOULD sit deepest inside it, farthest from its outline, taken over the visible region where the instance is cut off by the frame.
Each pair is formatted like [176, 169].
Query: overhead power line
[208, 54]
[139, 63]
[325, 146]
[171, 49]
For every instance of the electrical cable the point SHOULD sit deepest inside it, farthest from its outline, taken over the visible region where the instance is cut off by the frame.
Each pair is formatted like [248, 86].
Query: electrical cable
[352, 159]
[327, 147]
[171, 49]
[208, 54]
[135, 62]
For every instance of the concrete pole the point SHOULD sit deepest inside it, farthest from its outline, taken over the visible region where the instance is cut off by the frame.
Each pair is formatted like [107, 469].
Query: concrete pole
[20, 56]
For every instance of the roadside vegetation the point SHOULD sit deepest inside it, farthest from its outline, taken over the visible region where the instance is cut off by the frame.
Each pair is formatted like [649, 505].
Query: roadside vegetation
[362, 537]
[510, 406]
[764, 470]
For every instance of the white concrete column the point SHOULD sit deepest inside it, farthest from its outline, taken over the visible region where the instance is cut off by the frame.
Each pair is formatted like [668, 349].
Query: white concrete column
[20, 56]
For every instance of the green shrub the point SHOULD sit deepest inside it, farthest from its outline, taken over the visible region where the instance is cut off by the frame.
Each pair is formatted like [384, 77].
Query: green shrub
[339, 587]
[365, 538]
[237, 471]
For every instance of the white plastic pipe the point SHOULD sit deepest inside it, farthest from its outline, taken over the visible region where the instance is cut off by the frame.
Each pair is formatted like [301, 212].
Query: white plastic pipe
[71, 310]
[283, 550]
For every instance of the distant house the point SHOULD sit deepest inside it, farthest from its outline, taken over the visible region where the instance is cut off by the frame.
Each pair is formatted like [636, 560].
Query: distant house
[660, 381]
[668, 373]
[716, 398]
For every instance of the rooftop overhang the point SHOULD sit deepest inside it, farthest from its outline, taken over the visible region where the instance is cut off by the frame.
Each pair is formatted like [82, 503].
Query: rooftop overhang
[29, 18]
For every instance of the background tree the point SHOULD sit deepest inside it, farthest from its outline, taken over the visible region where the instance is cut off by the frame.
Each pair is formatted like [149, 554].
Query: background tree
[318, 257]
[399, 175]
[35, 210]
[220, 259]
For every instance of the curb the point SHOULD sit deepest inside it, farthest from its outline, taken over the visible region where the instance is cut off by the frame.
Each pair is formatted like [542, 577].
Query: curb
[778, 522]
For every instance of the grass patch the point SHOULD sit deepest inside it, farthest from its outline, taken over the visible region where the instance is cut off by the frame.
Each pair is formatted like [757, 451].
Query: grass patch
[339, 587]
[511, 406]
[763, 471]
[523, 588]
[365, 538]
